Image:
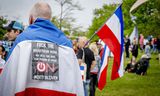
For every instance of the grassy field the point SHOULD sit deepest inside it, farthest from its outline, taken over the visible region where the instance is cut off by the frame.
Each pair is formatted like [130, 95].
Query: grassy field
[134, 85]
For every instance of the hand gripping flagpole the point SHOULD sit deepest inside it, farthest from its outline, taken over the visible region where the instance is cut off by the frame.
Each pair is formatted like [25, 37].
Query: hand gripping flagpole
[101, 27]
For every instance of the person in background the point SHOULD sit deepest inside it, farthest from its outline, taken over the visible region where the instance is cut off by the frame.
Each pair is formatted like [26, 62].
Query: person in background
[145, 42]
[153, 44]
[143, 64]
[158, 44]
[100, 48]
[75, 47]
[134, 50]
[14, 28]
[148, 49]
[94, 72]
[141, 42]
[88, 55]
[158, 47]
[131, 66]
[2, 57]
[127, 44]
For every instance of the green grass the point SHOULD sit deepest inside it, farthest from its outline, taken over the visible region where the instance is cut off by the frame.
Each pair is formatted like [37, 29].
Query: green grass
[134, 85]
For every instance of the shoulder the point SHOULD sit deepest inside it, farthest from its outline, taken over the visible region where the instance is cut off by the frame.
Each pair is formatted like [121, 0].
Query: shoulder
[66, 41]
[88, 51]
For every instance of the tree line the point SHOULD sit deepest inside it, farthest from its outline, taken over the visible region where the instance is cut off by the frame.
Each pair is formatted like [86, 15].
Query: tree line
[147, 18]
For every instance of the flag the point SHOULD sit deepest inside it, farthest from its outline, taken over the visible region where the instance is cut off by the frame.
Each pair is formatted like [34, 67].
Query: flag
[111, 33]
[103, 70]
[137, 4]
[134, 34]
[41, 63]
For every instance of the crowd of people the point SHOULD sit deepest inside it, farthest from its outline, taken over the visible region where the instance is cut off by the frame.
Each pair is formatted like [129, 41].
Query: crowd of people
[91, 55]
[147, 46]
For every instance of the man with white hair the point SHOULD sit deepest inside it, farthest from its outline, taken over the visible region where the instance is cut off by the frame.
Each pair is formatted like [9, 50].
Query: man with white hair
[37, 64]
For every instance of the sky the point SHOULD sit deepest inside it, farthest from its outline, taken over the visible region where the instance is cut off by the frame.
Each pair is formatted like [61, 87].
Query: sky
[19, 10]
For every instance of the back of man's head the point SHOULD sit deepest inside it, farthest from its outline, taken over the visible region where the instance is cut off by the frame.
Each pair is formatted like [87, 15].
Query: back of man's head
[41, 10]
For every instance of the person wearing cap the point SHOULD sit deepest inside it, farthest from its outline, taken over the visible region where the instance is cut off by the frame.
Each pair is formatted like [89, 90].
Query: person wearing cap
[14, 28]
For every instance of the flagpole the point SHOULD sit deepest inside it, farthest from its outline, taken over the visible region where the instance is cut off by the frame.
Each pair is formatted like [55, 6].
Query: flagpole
[90, 39]
[101, 26]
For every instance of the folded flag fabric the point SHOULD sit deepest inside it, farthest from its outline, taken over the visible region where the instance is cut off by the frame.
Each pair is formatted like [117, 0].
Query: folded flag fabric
[137, 4]
[103, 70]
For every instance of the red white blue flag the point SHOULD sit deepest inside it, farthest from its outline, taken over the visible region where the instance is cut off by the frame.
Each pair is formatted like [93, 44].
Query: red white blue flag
[111, 34]
[103, 70]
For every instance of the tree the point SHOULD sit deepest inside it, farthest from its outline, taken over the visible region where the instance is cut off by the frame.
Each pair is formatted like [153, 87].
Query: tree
[128, 24]
[68, 26]
[148, 17]
[66, 9]
[2, 31]
[100, 17]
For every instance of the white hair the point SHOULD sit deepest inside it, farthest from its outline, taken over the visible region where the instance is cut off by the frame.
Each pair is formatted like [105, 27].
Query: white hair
[82, 41]
[41, 10]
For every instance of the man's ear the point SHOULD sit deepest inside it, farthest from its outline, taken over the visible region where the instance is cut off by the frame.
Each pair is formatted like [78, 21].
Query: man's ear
[17, 32]
[31, 20]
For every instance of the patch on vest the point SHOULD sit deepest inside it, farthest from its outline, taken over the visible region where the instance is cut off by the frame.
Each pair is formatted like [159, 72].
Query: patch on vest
[45, 65]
